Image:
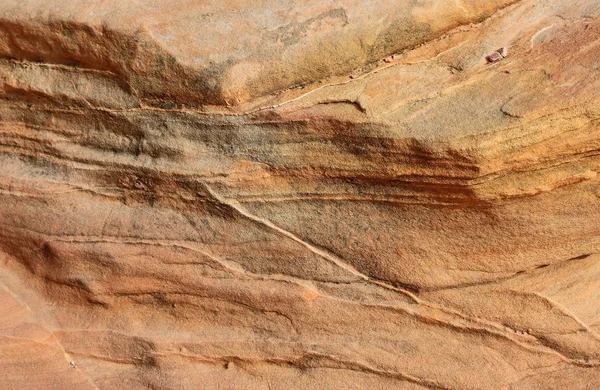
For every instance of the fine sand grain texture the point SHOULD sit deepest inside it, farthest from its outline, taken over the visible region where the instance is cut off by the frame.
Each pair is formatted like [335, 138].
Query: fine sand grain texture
[300, 194]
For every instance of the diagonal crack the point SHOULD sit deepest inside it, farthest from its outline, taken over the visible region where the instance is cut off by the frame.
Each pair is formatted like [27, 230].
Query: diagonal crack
[444, 311]
[563, 310]
[315, 249]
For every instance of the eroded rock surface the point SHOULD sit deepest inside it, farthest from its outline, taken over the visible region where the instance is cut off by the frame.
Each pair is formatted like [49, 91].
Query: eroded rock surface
[299, 195]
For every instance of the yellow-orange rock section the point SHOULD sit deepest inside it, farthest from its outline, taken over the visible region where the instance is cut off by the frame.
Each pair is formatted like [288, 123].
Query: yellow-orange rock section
[299, 195]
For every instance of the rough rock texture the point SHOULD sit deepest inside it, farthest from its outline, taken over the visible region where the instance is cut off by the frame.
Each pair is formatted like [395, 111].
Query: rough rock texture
[299, 194]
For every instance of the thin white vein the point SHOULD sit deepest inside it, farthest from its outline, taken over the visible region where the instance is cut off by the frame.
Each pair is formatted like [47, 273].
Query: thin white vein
[318, 251]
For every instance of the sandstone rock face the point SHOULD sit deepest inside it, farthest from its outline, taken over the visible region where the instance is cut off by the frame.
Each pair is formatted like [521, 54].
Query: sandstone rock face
[299, 194]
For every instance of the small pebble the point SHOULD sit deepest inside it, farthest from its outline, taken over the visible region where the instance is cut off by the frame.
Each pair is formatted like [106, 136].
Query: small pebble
[72, 362]
[494, 57]
[138, 183]
[498, 55]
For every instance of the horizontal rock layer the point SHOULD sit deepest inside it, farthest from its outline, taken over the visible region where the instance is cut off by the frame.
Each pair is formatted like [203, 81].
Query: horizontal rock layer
[298, 195]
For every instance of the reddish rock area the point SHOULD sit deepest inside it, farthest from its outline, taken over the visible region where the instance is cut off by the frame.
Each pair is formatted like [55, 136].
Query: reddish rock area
[300, 194]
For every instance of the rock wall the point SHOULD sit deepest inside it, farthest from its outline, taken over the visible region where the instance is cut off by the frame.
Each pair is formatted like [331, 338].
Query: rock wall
[299, 195]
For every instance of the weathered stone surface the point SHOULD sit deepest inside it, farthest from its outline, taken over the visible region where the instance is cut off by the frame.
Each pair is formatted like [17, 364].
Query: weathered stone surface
[299, 194]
